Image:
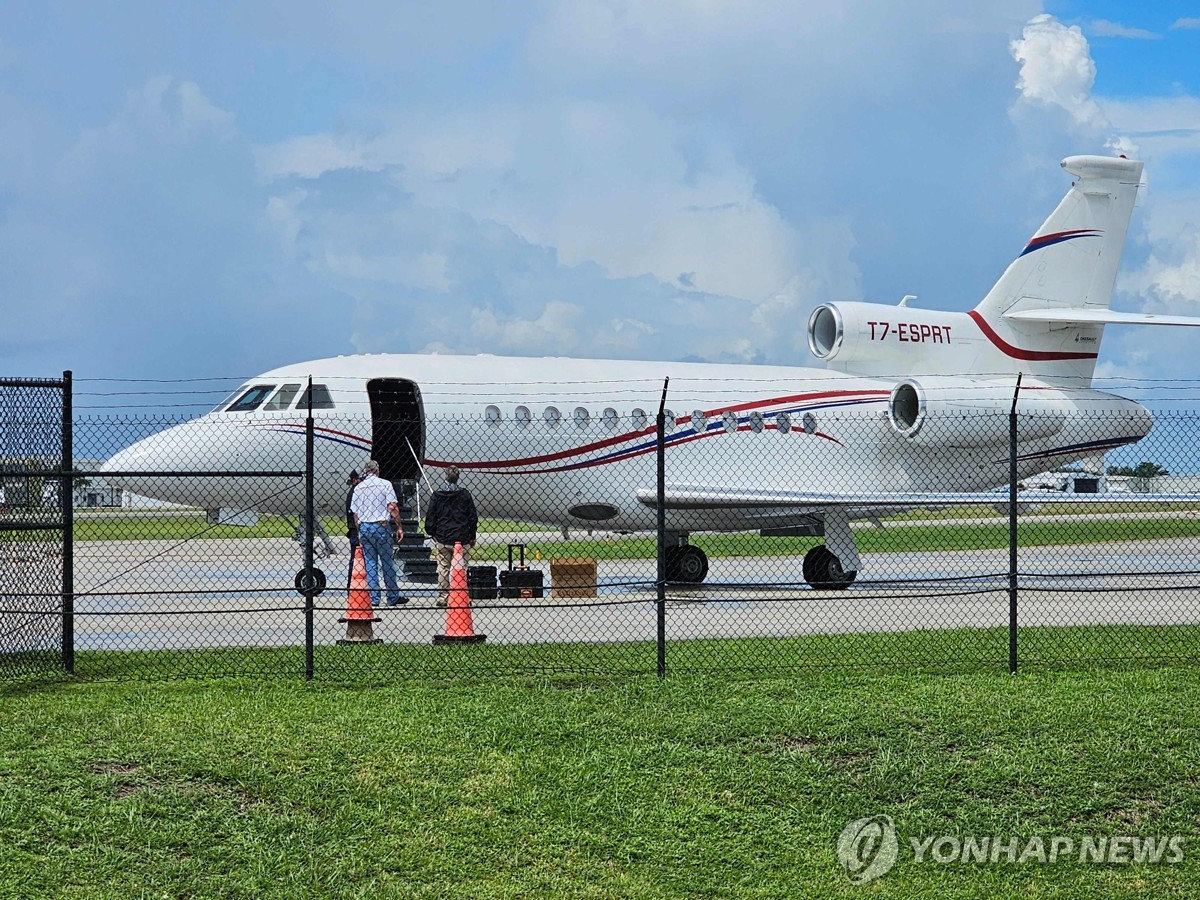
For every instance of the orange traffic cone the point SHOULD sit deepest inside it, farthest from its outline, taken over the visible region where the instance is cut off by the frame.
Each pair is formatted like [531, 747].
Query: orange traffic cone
[360, 618]
[458, 609]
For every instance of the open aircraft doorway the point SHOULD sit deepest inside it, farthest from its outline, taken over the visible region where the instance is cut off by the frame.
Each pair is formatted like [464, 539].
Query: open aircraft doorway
[397, 428]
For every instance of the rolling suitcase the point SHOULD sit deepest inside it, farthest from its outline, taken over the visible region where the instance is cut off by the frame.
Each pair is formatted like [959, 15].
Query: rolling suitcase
[520, 580]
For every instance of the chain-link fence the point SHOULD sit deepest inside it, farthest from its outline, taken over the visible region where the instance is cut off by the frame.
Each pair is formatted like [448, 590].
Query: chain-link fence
[804, 532]
[34, 590]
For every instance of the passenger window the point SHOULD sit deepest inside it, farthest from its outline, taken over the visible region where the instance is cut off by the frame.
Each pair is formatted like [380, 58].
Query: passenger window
[492, 416]
[756, 422]
[783, 422]
[321, 398]
[252, 398]
[638, 419]
[668, 421]
[582, 418]
[730, 420]
[523, 416]
[810, 423]
[699, 421]
[283, 397]
[552, 416]
[609, 417]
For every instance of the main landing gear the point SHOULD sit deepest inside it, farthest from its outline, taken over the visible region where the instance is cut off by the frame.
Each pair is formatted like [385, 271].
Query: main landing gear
[686, 564]
[823, 570]
[831, 566]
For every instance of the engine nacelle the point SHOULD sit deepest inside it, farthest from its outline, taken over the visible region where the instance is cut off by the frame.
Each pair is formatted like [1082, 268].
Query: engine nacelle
[939, 411]
[873, 339]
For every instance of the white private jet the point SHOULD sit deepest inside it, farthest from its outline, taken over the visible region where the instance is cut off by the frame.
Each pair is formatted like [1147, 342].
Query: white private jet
[911, 411]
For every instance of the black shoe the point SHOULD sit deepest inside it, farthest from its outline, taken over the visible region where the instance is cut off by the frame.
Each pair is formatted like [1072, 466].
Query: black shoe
[398, 601]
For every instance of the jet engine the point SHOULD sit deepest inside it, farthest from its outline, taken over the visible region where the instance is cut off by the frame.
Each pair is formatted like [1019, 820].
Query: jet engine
[872, 339]
[941, 411]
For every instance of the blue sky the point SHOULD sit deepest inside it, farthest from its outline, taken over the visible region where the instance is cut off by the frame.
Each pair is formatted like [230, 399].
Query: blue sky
[192, 190]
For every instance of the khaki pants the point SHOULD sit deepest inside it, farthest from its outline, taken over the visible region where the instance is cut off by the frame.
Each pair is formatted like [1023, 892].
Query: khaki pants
[444, 554]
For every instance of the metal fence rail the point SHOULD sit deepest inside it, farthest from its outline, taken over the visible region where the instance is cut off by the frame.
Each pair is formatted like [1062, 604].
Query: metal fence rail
[231, 557]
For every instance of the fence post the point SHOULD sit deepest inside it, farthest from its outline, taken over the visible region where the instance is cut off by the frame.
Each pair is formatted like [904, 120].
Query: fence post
[309, 531]
[1012, 531]
[66, 502]
[661, 580]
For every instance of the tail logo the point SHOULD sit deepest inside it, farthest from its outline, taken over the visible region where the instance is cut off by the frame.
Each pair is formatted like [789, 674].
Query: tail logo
[1058, 237]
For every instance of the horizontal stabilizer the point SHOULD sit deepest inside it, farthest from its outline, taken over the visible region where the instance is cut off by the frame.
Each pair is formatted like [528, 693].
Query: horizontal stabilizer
[1099, 317]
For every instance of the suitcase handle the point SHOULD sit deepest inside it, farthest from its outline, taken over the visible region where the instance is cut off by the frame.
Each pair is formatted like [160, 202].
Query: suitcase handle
[520, 547]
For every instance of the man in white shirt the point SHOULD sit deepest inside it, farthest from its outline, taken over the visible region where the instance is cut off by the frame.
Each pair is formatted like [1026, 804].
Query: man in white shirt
[378, 515]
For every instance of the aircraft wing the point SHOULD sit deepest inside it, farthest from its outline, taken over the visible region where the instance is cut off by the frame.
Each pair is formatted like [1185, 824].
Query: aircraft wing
[694, 496]
[1099, 317]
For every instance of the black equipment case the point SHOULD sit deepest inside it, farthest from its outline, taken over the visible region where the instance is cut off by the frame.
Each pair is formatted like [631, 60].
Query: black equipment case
[481, 582]
[520, 580]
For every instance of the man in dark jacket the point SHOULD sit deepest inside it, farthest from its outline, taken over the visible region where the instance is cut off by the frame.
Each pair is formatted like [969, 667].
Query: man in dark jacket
[450, 517]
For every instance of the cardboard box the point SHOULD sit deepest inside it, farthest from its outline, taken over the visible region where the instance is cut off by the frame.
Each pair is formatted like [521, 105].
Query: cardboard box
[573, 578]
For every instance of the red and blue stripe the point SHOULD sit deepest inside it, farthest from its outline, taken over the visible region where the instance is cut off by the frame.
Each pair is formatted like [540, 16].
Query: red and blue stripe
[1047, 240]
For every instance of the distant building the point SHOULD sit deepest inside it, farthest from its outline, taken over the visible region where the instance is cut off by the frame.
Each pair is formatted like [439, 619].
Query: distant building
[1166, 484]
[1071, 481]
[40, 491]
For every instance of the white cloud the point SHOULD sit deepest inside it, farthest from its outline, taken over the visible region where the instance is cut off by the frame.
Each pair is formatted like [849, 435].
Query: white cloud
[602, 183]
[1186, 23]
[557, 328]
[1161, 127]
[1106, 28]
[310, 155]
[1057, 69]
[1169, 280]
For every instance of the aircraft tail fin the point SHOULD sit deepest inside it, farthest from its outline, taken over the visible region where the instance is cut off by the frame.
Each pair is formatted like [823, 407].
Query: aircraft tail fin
[1066, 274]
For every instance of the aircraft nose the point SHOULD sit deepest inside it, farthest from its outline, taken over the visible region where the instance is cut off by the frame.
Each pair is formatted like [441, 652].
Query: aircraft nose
[150, 454]
[124, 460]
[134, 468]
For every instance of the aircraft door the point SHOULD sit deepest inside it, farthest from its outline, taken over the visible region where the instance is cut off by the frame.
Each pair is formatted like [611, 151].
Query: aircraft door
[397, 428]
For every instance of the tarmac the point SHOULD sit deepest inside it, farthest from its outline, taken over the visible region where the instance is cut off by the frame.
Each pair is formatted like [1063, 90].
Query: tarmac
[156, 595]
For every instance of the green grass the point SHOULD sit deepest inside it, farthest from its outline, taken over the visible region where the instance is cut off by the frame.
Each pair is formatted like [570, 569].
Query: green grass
[945, 651]
[132, 526]
[585, 786]
[184, 526]
[944, 535]
[901, 535]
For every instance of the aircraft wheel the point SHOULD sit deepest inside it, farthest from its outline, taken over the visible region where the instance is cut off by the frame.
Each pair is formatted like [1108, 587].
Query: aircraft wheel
[686, 565]
[823, 571]
[691, 565]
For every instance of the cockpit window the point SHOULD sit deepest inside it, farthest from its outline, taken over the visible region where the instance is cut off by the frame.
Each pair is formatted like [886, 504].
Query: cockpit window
[321, 398]
[283, 397]
[252, 399]
[224, 403]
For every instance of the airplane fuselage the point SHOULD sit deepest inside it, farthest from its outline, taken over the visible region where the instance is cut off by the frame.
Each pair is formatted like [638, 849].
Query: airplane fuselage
[570, 442]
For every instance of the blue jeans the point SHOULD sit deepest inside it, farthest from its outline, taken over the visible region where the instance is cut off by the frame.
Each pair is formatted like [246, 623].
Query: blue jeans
[376, 543]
